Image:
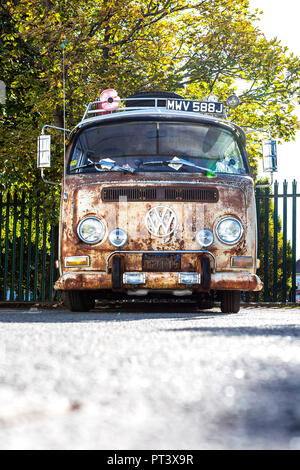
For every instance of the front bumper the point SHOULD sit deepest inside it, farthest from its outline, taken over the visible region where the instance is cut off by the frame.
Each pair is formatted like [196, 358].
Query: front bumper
[102, 280]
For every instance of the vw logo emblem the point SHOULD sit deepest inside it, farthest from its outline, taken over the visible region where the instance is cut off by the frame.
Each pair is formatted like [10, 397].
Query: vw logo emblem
[161, 221]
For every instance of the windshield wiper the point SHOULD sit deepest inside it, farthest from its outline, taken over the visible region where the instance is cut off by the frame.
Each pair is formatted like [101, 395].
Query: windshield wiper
[105, 165]
[176, 163]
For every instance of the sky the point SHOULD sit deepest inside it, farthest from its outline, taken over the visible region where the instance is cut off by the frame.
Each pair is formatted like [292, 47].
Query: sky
[280, 19]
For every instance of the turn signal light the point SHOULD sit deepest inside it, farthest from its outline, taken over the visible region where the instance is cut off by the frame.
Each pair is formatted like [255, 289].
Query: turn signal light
[73, 261]
[241, 262]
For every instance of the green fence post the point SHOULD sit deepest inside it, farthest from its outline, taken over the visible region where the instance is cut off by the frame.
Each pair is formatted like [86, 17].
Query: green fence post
[275, 247]
[51, 263]
[1, 205]
[294, 242]
[21, 258]
[36, 252]
[6, 246]
[13, 260]
[284, 245]
[256, 296]
[266, 247]
[28, 271]
[44, 261]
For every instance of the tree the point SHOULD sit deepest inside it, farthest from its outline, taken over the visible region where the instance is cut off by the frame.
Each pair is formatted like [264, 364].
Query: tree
[195, 47]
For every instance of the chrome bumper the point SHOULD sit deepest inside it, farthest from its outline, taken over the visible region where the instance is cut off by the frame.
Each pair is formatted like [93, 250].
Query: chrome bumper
[90, 280]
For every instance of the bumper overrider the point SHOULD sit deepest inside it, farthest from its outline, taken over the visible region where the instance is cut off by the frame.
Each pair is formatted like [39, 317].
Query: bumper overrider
[97, 280]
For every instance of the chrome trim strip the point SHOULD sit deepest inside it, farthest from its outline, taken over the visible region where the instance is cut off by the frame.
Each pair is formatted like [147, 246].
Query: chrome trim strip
[240, 185]
[160, 253]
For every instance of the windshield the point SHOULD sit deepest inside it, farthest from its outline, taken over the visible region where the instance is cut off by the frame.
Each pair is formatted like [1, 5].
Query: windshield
[156, 146]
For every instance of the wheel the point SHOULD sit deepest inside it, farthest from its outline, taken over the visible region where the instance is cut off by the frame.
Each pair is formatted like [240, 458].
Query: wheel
[230, 301]
[78, 301]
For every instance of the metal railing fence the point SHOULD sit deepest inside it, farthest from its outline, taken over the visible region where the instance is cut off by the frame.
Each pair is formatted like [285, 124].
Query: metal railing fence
[277, 242]
[29, 241]
[28, 246]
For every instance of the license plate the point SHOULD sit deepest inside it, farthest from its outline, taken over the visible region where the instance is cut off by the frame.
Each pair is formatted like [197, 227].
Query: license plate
[161, 262]
[212, 107]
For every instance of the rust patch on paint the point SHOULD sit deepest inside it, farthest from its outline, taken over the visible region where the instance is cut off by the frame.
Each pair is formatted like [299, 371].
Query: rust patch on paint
[235, 198]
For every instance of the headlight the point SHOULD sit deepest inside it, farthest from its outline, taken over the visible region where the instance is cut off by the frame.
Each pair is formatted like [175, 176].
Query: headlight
[229, 230]
[204, 237]
[91, 230]
[118, 237]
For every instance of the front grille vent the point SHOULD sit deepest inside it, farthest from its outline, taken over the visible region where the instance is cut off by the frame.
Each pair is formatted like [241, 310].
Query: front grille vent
[171, 194]
[132, 194]
[191, 194]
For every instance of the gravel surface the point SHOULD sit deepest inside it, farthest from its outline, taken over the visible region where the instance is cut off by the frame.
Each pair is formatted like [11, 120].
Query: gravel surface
[119, 379]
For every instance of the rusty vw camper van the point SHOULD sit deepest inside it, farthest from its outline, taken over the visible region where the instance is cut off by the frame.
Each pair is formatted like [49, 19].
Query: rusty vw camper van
[157, 200]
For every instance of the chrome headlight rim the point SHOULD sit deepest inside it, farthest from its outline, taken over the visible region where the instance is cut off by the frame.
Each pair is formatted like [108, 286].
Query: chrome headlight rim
[208, 232]
[232, 218]
[100, 238]
[123, 241]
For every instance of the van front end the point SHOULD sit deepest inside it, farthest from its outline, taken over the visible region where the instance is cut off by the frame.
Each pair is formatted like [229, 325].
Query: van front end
[176, 238]
[157, 200]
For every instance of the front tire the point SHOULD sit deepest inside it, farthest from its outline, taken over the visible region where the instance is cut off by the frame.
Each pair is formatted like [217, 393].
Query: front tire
[230, 301]
[78, 301]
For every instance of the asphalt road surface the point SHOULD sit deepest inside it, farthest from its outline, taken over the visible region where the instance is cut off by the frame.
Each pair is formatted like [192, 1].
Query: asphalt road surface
[162, 379]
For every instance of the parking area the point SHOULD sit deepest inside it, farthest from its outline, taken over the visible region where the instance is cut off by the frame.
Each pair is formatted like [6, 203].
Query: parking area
[156, 378]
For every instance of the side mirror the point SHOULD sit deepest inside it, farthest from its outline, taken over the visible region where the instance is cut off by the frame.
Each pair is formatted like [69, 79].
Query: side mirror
[269, 155]
[44, 151]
